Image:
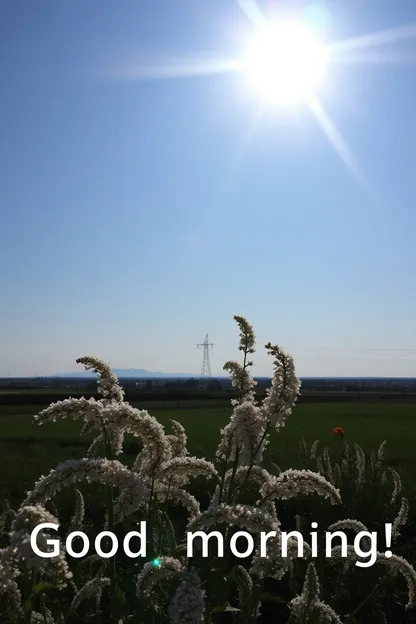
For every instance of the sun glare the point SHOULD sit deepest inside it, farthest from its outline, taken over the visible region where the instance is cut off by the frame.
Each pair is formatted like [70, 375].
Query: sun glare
[284, 63]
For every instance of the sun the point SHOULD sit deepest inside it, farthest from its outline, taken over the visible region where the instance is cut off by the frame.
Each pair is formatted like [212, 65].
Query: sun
[284, 63]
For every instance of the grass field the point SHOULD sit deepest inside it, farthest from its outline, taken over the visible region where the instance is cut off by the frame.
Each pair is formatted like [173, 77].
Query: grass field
[28, 451]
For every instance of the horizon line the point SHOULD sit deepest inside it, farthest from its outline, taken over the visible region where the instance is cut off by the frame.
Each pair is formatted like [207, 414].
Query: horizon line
[194, 376]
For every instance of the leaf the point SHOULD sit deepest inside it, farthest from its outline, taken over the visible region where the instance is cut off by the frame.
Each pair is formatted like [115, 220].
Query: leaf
[28, 605]
[41, 587]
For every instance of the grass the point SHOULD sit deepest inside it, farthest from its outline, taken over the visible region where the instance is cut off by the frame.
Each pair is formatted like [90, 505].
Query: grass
[27, 451]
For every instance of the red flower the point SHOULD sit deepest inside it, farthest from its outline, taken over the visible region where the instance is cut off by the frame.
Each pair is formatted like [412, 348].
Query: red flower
[338, 431]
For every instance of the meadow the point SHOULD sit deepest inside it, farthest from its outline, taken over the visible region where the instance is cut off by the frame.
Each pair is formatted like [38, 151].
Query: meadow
[28, 450]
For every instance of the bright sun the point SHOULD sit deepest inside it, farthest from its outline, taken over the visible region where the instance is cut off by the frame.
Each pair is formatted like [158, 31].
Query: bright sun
[284, 63]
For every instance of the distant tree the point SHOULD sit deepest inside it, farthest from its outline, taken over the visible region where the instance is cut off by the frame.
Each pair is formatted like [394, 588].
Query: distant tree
[191, 383]
[214, 384]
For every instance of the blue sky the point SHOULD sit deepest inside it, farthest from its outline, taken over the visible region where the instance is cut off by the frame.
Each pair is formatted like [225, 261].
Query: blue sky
[137, 215]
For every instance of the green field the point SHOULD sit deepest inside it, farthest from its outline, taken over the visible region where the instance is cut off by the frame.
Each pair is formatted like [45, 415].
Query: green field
[28, 451]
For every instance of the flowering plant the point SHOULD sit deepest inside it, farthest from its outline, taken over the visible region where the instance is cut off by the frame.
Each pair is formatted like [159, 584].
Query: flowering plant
[170, 586]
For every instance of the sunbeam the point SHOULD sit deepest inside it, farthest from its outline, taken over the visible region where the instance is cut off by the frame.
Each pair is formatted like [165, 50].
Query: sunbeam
[336, 139]
[375, 58]
[178, 69]
[251, 9]
[284, 65]
[382, 37]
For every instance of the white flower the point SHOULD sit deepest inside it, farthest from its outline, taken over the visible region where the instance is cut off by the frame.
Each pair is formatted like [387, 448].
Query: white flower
[380, 452]
[154, 572]
[79, 513]
[293, 482]
[8, 569]
[360, 463]
[240, 376]
[397, 484]
[188, 603]
[303, 605]
[108, 384]
[187, 467]
[95, 447]
[227, 449]
[241, 380]
[253, 519]
[274, 565]
[245, 583]
[105, 471]
[122, 417]
[92, 589]
[29, 516]
[284, 391]
[88, 409]
[163, 492]
[307, 603]
[40, 618]
[247, 337]
[177, 440]
[348, 525]
[328, 465]
[401, 518]
[314, 449]
[245, 434]
[11, 597]
[20, 549]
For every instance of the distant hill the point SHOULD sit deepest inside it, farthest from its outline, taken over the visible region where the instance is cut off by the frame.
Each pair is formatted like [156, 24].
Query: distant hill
[129, 373]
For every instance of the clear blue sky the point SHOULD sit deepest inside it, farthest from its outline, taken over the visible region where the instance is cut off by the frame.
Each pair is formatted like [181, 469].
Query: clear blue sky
[139, 215]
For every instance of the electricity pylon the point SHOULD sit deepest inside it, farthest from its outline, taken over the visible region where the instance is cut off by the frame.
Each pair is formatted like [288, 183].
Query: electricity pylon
[206, 364]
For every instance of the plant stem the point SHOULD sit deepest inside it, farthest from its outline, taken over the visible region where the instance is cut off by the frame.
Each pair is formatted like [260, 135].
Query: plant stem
[112, 570]
[235, 466]
[224, 470]
[250, 468]
[149, 510]
[42, 606]
[373, 591]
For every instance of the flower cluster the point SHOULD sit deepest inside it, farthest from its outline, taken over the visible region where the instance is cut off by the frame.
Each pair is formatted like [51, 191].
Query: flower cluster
[19, 554]
[159, 478]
